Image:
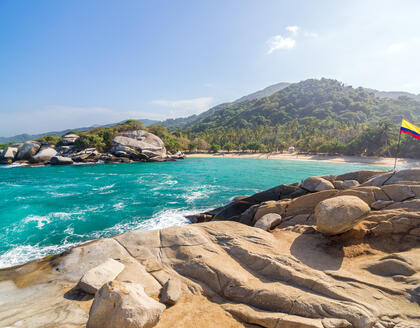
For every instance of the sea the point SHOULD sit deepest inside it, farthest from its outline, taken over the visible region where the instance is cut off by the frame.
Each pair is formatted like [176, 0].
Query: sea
[46, 210]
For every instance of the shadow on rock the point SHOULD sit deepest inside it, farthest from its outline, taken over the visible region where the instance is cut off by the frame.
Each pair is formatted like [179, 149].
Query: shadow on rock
[317, 252]
[75, 294]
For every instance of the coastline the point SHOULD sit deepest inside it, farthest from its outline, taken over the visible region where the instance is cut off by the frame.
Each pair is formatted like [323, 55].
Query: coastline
[380, 161]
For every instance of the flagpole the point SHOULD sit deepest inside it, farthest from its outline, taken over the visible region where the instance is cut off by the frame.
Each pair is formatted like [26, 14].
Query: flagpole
[398, 151]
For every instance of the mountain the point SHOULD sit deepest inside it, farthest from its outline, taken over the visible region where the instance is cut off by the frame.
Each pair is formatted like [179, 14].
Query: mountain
[394, 94]
[180, 123]
[264, 92]
[323, 99]
[25, 137]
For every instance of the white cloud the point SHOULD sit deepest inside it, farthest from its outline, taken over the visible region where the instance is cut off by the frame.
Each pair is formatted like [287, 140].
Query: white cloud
[59, 118]
[293, 29]
[185, 106]
[279, 42]
[395, 48]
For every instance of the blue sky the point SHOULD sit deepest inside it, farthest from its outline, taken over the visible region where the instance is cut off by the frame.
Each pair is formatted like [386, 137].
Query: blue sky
[66, 64]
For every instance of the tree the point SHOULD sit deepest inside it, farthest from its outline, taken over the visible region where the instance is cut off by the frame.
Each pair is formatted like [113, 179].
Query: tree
[214, 148]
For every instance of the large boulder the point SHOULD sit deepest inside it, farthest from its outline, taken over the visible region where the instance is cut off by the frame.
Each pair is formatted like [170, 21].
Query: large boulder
[339, 214]
[69, 139]
[124, 305]
[61, 160]
[44, 155]
[313, 184]
[8, 155]
[27, 150]
[407, 176]
[99, 275]
[142, 141]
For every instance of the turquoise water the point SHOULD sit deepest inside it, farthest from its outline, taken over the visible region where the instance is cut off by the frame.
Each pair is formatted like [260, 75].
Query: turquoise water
[44, 210]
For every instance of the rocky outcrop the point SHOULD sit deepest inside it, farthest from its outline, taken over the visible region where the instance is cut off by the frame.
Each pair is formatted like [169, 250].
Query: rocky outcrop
[316, 184]
[139, 144]
[27, 150]
[125, 305]
[129, 146]
[235, 275]
[44, 155]
[339, 214]
[8, 155]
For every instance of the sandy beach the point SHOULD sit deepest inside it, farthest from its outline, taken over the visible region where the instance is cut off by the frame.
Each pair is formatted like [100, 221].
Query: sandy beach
[380, 161]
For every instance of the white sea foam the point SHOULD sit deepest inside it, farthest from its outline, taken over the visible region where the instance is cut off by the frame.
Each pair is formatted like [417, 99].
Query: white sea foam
[118, 206]
[41, 220]
[12, 165]
[26, 253]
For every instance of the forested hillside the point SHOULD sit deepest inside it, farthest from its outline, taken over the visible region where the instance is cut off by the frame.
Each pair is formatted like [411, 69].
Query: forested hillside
[313, 115]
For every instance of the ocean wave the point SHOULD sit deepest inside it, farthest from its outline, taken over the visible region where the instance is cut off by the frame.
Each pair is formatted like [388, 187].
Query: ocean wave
[198, 192]
[25, 253]
[10, 166]
[40, 220]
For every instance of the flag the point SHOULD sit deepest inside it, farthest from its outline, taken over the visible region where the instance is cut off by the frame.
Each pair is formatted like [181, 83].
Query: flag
[411, 129]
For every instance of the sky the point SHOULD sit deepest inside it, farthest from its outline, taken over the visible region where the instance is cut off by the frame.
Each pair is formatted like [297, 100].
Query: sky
[69, 64]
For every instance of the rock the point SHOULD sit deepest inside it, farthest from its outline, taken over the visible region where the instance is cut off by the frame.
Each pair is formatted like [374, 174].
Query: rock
[313, 184]
[412, 175]
[99, 275]
[398, 193]
[69, 139]
[306, 203]
[8, 155]
[391, 267]
[407, 324]
[350, 184]
[27, 150]
[338, 184]
[171, 291]
[380, 204]
[339, 214]
[268, 221]
[124, 305]
[61, 160]
[44, 155]
[360, 176]
[142, 141]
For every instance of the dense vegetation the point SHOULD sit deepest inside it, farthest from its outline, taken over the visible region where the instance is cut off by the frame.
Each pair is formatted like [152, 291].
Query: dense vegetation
[318, 116]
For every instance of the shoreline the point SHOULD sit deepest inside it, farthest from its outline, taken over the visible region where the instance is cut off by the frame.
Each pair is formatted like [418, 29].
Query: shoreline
[380, 161]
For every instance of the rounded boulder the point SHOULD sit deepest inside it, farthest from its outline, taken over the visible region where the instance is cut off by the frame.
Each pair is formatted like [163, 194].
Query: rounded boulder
[339, 214]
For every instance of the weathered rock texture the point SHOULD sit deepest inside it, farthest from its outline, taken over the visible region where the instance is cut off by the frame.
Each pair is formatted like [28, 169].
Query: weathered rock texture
[124, 305]
[236, 275]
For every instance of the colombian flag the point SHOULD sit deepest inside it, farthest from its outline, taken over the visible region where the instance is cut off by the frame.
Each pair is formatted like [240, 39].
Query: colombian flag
[411, 129]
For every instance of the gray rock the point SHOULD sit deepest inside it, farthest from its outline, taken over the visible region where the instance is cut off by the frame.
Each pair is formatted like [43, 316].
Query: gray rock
[398, 193]
[27, 150]
[141, 140]
[124, 305]
[380, 204]
[61, 160]
[8, 155]
[44, 155]
[313, 184]
[69, 139]
[171, 291]
[350, 184]
[339, 214]
[99, 275]
[268, 221]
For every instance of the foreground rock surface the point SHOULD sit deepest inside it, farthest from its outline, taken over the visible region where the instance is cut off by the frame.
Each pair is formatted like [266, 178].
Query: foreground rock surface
[124, 305]
[236, 275]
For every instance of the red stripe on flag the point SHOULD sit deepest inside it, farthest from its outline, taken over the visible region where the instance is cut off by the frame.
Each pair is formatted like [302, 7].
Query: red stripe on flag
[411, 134]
